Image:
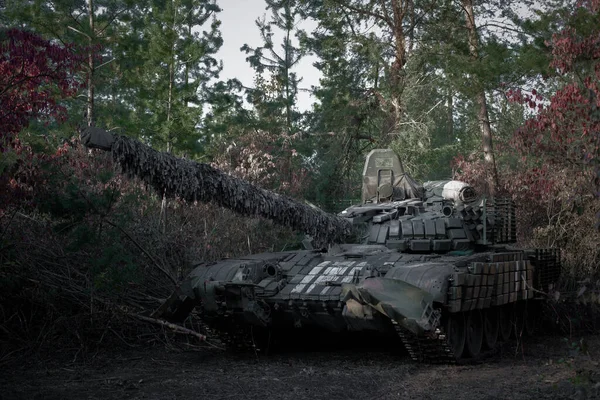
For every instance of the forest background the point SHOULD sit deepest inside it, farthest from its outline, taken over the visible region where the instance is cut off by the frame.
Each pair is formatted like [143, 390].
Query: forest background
[501, 94]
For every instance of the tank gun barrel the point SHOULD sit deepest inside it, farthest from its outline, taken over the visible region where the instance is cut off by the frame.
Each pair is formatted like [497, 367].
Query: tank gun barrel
[193, 181]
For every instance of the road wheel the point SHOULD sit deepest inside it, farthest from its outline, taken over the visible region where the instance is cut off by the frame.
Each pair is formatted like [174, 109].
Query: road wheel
[455, 332]
[474, 328]
[491, 326]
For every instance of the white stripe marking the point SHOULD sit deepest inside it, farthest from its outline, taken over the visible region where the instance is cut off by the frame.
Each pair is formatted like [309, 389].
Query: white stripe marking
[298, 288]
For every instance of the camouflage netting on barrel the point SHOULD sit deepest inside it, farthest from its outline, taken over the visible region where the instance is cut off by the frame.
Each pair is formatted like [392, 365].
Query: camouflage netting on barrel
[193, 181]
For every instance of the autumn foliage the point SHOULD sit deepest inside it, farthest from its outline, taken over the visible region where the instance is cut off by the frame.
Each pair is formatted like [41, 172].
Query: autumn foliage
[563, 136]
[550, 166]
[34, 74]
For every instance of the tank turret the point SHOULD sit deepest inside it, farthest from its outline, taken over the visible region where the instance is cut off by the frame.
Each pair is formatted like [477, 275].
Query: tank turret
[438, 216]
[431, 264]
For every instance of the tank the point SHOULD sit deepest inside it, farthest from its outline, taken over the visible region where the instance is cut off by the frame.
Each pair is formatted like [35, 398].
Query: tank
[431, 264]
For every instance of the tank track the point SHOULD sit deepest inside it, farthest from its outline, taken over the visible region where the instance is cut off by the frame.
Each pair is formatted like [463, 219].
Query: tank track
[429, 350]
[435, 349]
[234, 336]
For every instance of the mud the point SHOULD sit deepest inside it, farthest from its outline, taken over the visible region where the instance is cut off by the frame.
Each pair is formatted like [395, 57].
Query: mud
[548, 368]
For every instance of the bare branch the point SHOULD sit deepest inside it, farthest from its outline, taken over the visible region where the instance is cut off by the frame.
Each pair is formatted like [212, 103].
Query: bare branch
[80, 32]
[174, 327]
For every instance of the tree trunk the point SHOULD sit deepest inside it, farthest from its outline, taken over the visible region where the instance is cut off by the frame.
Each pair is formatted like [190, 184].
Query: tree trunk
[288, 107]
[450, 137]
[399, 17]
[90, 76]
[170, 105]
[164, 203]
[399, 9]
[482, 113]
[486, 138]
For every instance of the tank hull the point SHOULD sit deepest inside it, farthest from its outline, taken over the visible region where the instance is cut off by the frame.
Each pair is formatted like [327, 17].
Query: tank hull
[363, 288]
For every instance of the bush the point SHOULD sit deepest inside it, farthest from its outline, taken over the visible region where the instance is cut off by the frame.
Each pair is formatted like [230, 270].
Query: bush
[89, 249]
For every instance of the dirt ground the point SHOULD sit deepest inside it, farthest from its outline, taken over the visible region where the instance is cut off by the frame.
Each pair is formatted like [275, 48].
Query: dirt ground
[542, 369]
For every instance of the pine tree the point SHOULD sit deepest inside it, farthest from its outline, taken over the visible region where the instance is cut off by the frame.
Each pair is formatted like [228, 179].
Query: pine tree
[177, 64]
[276, 93]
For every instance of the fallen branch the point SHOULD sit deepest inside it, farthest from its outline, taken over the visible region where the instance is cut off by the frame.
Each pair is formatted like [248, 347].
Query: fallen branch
[174, 327]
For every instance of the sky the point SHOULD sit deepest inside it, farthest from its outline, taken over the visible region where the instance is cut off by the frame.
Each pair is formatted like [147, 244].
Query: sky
[238, 28]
